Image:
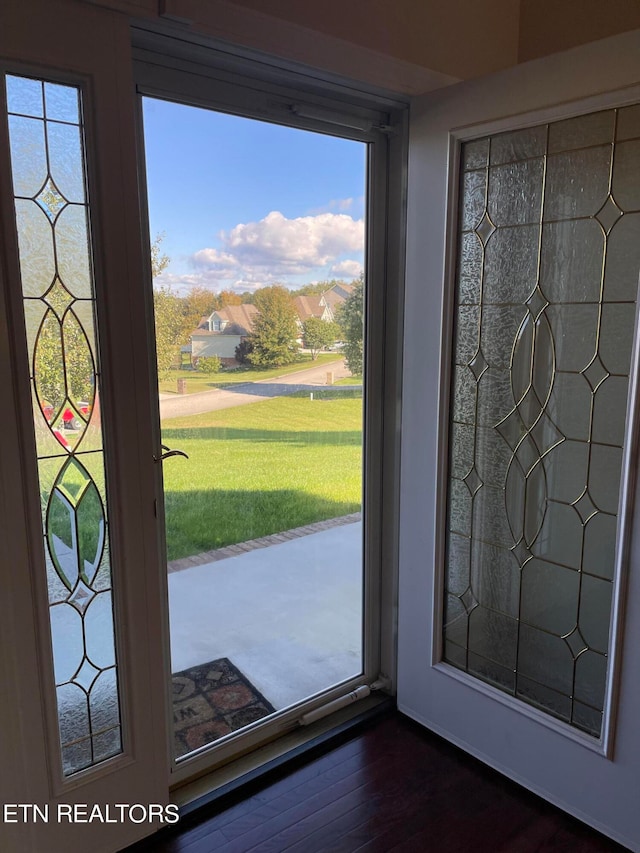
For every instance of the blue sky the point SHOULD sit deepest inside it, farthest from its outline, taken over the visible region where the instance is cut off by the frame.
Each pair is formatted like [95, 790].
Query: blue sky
[244, 203]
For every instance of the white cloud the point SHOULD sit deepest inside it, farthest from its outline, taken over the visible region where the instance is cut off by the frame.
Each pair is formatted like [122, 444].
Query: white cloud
[348, 269]
[340, 204]
[274, 248]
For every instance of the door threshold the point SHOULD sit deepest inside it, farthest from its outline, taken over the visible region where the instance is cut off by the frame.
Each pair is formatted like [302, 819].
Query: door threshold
[241, 778]
[277, 755]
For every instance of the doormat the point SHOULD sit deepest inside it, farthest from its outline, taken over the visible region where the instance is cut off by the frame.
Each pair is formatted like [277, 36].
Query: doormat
[212, 700]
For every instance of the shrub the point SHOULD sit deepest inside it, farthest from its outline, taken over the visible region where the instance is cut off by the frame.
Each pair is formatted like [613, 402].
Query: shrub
[209, 364]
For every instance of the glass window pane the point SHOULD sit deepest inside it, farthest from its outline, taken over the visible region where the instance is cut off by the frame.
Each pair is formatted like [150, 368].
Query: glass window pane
[59, 302]
[262, 387]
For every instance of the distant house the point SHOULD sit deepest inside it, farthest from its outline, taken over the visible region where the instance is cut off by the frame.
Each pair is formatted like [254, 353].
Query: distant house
[220, 333]
[333, 298]
[311, 306]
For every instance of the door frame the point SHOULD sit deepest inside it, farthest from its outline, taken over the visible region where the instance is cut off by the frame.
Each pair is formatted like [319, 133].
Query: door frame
[195, 73]
[481, 719]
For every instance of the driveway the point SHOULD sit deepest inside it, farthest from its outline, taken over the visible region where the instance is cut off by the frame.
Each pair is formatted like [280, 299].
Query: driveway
[177, 405]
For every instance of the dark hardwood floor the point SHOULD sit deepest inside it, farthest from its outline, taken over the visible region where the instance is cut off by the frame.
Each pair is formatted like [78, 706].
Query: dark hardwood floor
[392, 786]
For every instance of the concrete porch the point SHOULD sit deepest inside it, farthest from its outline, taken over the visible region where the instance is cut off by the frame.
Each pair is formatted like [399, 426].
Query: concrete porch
[289, 616]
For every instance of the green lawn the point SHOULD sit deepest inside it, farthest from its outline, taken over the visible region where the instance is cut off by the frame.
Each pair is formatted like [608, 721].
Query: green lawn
[259, 469]
[205, 382]
[349, 380]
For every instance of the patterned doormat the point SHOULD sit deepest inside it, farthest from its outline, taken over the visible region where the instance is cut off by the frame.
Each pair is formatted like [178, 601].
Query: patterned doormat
[210, 701]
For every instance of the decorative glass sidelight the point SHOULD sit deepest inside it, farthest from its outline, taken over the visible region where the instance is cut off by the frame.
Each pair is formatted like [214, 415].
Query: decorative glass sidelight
[547, 278]
[52, 216]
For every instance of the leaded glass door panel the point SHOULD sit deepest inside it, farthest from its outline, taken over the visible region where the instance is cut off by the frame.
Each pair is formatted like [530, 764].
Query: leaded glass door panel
[519, 616]
[545, 313]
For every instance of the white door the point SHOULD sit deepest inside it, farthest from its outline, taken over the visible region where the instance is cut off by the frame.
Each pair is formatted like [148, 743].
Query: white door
[84, 754]
[519, 612]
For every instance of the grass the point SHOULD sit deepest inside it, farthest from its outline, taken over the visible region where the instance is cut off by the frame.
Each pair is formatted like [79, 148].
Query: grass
[259, 469]
[205, 382]
[349, 380]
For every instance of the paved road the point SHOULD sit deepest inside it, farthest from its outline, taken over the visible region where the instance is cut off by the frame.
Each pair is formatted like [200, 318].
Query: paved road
[176, 406]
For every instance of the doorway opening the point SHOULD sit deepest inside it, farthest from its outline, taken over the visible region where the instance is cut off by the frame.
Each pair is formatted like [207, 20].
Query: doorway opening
[257, 235]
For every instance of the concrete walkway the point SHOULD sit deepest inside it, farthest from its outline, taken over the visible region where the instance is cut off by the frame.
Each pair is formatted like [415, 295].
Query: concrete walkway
[288, 616]
[179, 405]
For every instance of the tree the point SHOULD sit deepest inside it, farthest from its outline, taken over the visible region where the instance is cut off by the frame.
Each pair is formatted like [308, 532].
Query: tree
[243, 351]
[318, 335]
[170, 332]
[228, 297]
[351, 321]
[168, 313]
[317, 288]
[159, 261]
[198, 303]
[275, 328]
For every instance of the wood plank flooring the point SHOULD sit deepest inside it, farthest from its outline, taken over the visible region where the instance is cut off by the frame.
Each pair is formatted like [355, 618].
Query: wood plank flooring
[391, 787]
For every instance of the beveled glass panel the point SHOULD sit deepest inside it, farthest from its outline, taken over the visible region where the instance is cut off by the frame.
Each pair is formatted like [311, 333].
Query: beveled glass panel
[604, 477]
[496, 578]
[566, 471]
[582, 132]
[29, 163]
[518, 145]
[591, 673]
[616, 337]
[455, 620]
[600, 545]
[65, 146]
[571, 261]
[474, 199]
[495, 399]
[468, 333]
[575, 333]
[492, 672]
[459, 553]
[544, 697]
[595, 610]
[551, 613]
[577, 183]
[476, 154]
[515, 193]
[609, 411]
[587, 718]
[35, 243]
[463, 438]
[493, 636]
[560, 539]
[542, 404]
[470, 269]
[47, 159]
[628, 122]
[460, 508]
[626, 175]
[61, 103]
[545, 658]
[623, 260]
[569, 405]
[511, 265]
[73, 251]
[24, 96]
[464, 396]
